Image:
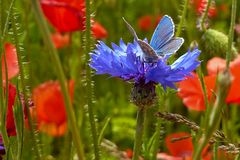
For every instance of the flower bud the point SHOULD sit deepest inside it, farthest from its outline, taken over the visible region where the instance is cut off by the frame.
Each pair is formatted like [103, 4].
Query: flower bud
[144, 95]
[216, 43]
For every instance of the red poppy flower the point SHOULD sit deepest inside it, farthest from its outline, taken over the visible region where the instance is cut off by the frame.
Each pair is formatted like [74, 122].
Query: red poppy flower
[65, 15]
[191, 92]
[50, 108]
[145, 23]
[99, 31]
[10, 125]
[158, 19]
[60, 40]
[12, 61]
[200, 6]
[165, 156]
[129, 153]
[216, 65]
[148, 22]
[176, 148]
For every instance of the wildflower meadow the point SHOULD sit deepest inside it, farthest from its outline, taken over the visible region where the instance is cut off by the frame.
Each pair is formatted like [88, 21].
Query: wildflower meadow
[120, 80]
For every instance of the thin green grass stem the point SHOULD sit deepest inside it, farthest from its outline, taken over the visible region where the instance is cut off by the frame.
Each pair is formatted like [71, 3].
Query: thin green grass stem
[59, 70]
[138, 134]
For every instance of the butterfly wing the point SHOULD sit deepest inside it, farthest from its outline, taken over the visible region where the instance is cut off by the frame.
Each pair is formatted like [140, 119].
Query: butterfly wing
[149, 55]
[131, 30]
[163, 33]
[171, 46]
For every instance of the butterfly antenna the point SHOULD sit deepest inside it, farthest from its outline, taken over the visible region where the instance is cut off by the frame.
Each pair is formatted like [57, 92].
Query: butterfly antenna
[130, 28]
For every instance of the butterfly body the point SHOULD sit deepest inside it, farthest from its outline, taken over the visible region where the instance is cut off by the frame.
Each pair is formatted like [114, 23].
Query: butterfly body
[162, 42]
[149, 54]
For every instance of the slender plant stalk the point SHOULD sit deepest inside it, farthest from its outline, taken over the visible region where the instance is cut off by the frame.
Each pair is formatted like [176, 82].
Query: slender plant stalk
[161, 106]
[182, 19]
[23, 84]
[157, 140]
[224, 83]
[4, 104]
[231, 32]
[180, 24]
[59, 70]
[200, 75]
[19, 123]
[138, 134]
[213, 119]
[146, 134]
[89, 83]
[237, 157]
[215, 151]
[205, 14]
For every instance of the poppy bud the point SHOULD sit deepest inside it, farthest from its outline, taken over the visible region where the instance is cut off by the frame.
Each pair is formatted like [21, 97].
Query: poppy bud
[216, 42]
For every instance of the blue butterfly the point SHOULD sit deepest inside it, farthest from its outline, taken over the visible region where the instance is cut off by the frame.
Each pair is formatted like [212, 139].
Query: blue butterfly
[162, 42]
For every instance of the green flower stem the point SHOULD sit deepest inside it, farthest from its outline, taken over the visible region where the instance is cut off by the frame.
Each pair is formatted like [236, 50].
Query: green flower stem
[180, 24]
[205, 95]
[23, 83]
[182, 19]
[231, 32]
[146, 134]
[4, 104]
[224, 82]
[161, 107]
[89, 83]
[237, 157]
[157, 140]
[53, 52]
[215, 151]
[138, 134]
[213, 120]
[204, 16]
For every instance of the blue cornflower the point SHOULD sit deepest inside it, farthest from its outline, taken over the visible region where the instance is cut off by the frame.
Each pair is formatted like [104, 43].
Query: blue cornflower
[125, 61]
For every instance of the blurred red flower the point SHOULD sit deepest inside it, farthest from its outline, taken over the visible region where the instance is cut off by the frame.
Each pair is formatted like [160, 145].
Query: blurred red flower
[10, 125]
[182, 148]
[216, 65]
[190, 90]
[65, 15]
[237, 28]
[176, 148]
[200, 6]
[224, 8]
[12, 61]
[99, 31]
[165, 156]
[60, 40]
[145, 23]
[148, 22]
[50, 108]
[129, 153]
